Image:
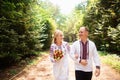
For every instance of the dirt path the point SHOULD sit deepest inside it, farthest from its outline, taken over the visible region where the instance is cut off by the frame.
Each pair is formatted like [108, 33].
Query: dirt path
[43, 71]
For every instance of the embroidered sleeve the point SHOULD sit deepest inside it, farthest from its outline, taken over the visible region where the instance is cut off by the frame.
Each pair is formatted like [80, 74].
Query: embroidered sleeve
[51, 50]
[51, 53]
[68, 47]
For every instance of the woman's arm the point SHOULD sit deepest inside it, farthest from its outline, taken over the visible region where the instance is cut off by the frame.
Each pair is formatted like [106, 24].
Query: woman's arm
[51, 53]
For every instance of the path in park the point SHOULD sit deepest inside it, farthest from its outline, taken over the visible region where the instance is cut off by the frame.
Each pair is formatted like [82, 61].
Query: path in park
[43, 71]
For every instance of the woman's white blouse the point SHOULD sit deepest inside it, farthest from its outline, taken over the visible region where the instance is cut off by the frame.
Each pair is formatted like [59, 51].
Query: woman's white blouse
[60, 68]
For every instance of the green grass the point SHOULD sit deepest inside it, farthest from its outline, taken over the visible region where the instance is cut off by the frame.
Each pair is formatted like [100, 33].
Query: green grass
[111, 59]
[12, 72]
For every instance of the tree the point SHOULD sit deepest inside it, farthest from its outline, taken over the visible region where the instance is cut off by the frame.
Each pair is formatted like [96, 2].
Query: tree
[20, 28]
[46, 33]
[103, 19]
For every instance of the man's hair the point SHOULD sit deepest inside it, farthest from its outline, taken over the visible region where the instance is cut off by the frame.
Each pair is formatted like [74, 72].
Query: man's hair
[86, 28]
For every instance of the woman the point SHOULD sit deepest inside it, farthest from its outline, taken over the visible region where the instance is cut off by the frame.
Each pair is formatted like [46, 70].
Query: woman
[60, 64]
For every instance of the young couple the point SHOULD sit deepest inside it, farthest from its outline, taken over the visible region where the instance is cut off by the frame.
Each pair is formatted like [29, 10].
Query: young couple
[82, 51]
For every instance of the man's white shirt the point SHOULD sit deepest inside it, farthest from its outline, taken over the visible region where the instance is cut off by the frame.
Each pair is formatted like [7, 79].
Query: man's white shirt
[93, 56]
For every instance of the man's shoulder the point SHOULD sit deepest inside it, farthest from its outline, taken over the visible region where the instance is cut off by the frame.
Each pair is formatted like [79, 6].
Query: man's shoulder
[76, 42]
[91, 42]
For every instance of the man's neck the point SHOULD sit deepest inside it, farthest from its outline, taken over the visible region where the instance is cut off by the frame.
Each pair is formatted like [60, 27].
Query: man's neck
[84, 40]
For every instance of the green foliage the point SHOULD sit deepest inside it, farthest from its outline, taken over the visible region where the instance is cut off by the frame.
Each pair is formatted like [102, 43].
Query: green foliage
[111, 59]
[46, 34]
[103, 21]
[80, 11]
[70, 30]
[12, 72]
[21, 26]
[9, 42]
[73, 22]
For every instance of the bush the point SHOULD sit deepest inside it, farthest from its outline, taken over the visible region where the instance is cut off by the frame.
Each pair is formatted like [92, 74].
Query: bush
[46, 34]
[16, 42]
[111, 59]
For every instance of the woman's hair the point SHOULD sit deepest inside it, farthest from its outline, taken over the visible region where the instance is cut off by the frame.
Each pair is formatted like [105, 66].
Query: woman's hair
[57, 32]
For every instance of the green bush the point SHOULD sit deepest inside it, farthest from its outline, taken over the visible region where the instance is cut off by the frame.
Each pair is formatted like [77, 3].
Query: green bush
[111, 59]
[103, 20]
[16, 42]
[46, 34]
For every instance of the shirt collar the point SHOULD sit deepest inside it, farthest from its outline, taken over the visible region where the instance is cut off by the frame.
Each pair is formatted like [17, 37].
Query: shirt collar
[81, 40]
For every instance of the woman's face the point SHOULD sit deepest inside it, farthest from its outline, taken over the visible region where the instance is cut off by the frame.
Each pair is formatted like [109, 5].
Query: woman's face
[60, 37]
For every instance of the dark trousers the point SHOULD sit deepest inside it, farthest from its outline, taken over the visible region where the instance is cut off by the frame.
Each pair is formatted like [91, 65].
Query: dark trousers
[81, 75]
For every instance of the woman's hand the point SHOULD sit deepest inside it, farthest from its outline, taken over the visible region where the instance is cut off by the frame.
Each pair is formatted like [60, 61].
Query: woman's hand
[83, 62]
[76, 55]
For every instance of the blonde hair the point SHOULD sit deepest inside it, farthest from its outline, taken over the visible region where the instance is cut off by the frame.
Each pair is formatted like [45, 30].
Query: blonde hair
[57, 32]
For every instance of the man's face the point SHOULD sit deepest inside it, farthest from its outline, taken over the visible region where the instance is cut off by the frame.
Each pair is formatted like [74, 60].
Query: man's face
[83, 33]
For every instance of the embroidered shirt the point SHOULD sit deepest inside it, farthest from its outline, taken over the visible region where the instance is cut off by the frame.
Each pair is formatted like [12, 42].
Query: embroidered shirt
[93, 56]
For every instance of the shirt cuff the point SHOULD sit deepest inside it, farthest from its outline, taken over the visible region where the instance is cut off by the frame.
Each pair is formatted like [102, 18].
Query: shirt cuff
[98, 67]
[78, 60]
[52, 60]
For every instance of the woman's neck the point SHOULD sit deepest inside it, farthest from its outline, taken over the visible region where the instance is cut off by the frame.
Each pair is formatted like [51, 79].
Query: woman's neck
[59, 43]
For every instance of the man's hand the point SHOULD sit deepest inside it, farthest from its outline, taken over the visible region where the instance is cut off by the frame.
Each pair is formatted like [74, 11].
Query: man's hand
[76, 56]
[97, 72]
[84, 62]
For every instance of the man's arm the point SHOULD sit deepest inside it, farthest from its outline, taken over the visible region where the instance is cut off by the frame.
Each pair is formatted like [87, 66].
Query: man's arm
[73, 53]
[96, 60]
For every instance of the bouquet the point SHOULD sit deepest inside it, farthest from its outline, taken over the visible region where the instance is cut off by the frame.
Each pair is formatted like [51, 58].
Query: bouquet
[58, 54]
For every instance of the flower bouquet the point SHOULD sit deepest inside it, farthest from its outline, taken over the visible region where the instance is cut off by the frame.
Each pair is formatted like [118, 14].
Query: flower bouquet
[58, 54]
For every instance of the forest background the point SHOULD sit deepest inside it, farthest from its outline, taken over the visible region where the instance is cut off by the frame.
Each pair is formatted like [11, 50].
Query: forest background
[27, 26]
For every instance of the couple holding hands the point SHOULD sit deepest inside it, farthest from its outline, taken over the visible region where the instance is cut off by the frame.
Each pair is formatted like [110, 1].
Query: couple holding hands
[83, 52]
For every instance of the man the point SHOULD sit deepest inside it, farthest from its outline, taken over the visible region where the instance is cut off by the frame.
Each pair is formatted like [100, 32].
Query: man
[83, 52]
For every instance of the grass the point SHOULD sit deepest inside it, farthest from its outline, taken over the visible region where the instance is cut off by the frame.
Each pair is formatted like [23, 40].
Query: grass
[111, 59]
